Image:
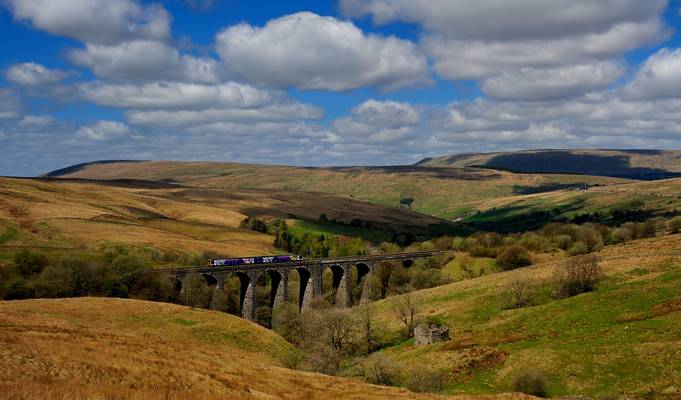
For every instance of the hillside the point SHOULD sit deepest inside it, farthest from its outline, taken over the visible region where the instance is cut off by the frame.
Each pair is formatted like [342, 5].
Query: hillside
[441, 192]
[76, 214]
[632, 164]
[612, 204]
[114, 348]
[624, 339]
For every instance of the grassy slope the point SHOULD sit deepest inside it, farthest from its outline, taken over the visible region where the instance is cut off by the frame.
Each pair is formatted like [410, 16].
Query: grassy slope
[69, 214]
[658, 197]
[114, 348]
[623, 338]
[442, 192]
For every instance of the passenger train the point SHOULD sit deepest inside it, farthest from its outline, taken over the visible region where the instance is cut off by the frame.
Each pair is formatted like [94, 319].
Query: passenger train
[227, 262]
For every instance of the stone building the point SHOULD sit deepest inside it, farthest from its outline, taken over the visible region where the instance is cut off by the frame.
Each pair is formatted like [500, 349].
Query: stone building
[430, 333]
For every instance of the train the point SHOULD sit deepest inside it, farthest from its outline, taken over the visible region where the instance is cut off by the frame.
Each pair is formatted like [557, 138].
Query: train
[226, 262]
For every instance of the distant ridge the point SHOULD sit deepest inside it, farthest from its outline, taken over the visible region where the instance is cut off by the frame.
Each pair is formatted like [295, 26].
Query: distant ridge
[77, 167]
[638, 164]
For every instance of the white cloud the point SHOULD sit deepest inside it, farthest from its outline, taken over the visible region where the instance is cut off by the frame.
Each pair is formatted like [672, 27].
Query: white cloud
[94, 21]
[144, 60]
[32, 74]
[104, 130]
[288, 111]
[175, 95]
[503, 20]
[378, 122]
[308, 51]
[659, 77]
[475, 59]
[36, 121]
[530, 84]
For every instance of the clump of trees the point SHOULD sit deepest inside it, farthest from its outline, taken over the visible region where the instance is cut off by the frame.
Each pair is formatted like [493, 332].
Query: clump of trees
[513, 257]
[115, 274]
[254, 224]
[310, 245]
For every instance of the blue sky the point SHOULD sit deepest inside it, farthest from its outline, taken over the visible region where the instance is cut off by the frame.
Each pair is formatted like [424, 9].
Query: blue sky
[332, 82]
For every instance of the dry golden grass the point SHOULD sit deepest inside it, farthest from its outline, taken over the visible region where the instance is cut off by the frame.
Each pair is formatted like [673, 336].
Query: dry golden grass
[94, 348]
[442, 192]
[65, 213]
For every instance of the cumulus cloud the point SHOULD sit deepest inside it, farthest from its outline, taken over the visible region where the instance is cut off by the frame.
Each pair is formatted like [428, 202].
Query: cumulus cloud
[530, 84]
[94, 21]
[288, 111]
[378, 122]
[308, 51]
[659, 77]
[104, 130]
[499, 40]
[502, 20]
[474, 59]
[144, 60]
[176, 95]
[32, 74]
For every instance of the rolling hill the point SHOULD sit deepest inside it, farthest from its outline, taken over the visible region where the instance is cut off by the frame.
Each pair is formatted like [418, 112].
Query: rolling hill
[78, 214]
[631, 164]
[441, 192]
[115, 348]
[621, 341]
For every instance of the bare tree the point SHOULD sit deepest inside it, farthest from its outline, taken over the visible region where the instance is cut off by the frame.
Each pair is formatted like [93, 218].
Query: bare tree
[367, 327]
[406, 307]
[520, 293]
[578, 275]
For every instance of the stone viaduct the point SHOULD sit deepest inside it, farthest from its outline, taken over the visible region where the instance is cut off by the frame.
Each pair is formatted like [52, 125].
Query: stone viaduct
[310, 271]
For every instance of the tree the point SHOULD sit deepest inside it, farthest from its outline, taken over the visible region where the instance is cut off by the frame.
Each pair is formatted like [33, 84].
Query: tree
[196, 292]
[254, 224]
[406, 307]
[55, 282]
[29, 264]
[114, 287]
[622, 234]
[514, 257]
[16, 288]
[367, 326]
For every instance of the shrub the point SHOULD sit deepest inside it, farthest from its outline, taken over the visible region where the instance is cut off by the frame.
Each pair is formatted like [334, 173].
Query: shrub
[622, 235]
[531, 382]
[114, 287]
[514, 257]
[578, 275]
[519, 294]
[648, 228]
[258, 225]
[16, 288]
[426, 380]
[55, 282]
[29, 264]
[578, 248]
[380, 369]
[563, 242]
[675, 224]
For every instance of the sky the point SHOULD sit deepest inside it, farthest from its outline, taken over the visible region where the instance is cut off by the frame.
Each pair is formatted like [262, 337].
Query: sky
[346, 82]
